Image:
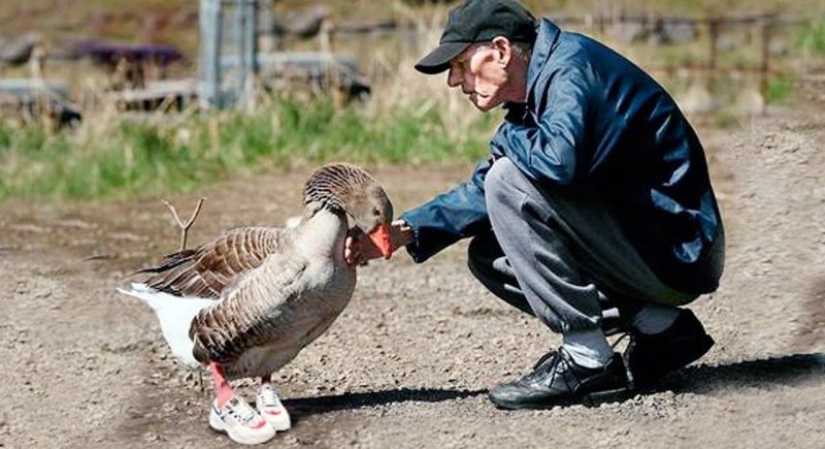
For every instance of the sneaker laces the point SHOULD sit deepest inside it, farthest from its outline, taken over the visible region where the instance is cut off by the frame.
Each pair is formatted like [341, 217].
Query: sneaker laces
[242, 412]
[268, 395]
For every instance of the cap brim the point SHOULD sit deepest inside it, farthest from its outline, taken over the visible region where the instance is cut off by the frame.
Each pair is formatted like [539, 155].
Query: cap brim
[439, 59]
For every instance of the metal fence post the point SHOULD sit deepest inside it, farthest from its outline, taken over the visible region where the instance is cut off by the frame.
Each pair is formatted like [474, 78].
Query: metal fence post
[240, 68]
[245, 31]
[209, 87]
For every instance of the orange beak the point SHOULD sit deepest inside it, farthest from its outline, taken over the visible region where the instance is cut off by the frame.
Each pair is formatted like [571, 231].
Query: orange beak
[380, 236]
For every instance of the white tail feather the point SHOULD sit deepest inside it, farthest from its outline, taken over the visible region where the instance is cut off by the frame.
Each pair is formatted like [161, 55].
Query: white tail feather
[175, 314]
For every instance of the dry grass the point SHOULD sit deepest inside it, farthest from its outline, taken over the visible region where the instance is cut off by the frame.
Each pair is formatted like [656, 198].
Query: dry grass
[175, 21]
[408, 118]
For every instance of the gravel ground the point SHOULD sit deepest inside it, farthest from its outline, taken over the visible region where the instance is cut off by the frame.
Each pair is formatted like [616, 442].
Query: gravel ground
[408, 363]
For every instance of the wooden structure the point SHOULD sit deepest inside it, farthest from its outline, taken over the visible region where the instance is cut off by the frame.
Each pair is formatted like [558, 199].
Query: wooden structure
[161, 95]
[232, 68]
[34, 101]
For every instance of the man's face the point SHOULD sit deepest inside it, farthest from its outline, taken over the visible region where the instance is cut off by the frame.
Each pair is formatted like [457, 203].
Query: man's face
[480, 74]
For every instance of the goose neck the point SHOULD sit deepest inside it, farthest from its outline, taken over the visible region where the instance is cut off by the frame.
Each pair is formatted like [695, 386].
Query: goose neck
[323, 231]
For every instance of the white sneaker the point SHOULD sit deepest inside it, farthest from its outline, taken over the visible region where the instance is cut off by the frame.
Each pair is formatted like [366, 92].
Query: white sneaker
[241, 422]
[270, 407]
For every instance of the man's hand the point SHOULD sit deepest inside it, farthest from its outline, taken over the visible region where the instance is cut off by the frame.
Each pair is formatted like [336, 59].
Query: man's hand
[358, 250]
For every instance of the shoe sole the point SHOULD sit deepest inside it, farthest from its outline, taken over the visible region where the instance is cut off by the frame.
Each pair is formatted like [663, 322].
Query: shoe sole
[588, 400]
[280, 424]
[605, 397]
[283, 421]
[217, 425]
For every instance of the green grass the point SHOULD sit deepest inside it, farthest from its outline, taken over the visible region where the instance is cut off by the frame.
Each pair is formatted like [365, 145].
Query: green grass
[110, 157]
[812, 38]
[779, 89]
[142, 158]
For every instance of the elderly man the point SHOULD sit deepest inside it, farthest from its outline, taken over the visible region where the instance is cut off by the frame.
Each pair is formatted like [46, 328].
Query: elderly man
[596, 198]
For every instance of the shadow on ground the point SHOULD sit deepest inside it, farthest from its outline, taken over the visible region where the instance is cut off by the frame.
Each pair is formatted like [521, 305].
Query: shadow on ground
[784, 370]
[303, 407]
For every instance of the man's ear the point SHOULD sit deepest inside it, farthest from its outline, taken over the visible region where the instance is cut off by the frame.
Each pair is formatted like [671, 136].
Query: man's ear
[504, 49]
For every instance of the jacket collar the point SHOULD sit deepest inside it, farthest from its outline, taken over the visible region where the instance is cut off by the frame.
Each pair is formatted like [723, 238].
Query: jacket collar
[546, 40]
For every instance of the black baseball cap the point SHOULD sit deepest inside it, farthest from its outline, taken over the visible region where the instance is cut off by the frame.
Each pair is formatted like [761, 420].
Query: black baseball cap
[478, 21]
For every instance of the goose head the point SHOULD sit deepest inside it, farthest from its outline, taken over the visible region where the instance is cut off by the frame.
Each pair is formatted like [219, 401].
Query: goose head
[349, 189]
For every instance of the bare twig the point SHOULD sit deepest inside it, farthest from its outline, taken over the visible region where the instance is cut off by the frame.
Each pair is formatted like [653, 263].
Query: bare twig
[97, 257]
[184, 227]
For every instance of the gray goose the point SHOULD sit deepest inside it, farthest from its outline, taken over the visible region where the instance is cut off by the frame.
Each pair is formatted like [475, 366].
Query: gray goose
[247, 302]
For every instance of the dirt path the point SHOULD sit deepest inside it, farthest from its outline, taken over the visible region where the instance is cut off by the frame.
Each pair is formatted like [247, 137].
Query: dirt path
[408, 363]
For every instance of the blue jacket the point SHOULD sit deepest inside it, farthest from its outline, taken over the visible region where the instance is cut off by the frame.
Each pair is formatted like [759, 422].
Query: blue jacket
[596, 123]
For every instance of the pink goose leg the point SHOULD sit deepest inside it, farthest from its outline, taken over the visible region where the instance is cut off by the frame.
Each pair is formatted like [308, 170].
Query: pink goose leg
[222, 386]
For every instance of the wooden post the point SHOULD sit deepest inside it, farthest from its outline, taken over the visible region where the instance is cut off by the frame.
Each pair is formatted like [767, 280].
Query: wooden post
[251, 49]
[266, 41]
[713, 36]
[767, 24]
[238, 40]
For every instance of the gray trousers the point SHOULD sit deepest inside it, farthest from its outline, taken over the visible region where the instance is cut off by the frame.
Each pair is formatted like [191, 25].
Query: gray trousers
[560, 257]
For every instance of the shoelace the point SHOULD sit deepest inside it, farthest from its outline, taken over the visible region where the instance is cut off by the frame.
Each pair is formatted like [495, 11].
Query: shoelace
[561, 360]
[619, 340]
[543, 359]
[269, 396]
[539, 373]
[242, 412]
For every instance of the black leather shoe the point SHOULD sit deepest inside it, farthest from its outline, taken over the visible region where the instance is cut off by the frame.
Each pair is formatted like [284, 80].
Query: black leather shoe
[557, 380]
[650, 357]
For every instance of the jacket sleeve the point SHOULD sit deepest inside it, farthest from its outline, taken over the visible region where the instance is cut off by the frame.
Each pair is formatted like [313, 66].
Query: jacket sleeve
[548, 151]
[449, 217]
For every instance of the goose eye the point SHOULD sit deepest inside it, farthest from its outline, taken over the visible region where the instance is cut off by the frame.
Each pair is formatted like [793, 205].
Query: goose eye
[376, 213]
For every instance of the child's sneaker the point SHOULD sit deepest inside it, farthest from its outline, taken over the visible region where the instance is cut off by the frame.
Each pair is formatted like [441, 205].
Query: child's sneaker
[241, 422]
[270, 407]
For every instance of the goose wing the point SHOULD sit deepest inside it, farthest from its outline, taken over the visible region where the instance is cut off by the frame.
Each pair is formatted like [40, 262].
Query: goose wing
[252, 313]
[211, 268]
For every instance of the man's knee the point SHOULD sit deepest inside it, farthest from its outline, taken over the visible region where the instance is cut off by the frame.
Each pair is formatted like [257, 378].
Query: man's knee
[500, 184]
[500, 176]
